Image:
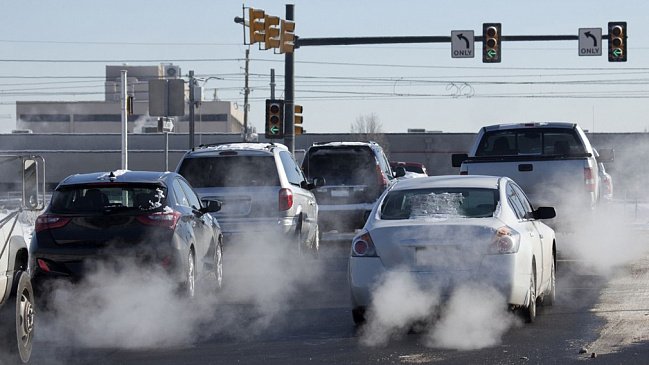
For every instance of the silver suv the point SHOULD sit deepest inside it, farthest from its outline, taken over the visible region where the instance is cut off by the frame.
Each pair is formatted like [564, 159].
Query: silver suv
[263, 192]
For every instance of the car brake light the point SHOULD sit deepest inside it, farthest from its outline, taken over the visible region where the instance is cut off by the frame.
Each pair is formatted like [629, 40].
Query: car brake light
[43, 265]
[383, 182]
[285, 199]
[50, 221]
[589, 180]
[167, 219]
[363, 246]
[506, 241]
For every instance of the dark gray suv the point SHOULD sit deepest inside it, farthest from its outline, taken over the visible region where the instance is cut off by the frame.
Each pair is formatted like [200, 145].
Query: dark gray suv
[353, 176]
[264, 194]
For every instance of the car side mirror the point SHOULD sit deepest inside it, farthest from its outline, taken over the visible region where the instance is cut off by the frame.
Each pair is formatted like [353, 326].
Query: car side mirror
[606, 155]
[399, 171]
[458, 158]
[211, 205]
[545, 213]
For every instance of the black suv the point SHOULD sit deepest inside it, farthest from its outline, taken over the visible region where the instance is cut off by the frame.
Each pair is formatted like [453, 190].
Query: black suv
[352, 176]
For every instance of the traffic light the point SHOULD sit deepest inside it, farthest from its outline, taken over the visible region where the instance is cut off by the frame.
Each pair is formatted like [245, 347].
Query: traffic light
[274, 118]
[129, 105]
[617, 42]
[271, 32]
[287, 37]
[491, 42]
[297, 120]
[256, 19]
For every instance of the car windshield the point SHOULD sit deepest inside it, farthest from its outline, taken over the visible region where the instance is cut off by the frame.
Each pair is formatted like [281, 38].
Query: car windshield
[342, 166]
[109, 197]
[439, 203]
[230, 171]
[550, 141]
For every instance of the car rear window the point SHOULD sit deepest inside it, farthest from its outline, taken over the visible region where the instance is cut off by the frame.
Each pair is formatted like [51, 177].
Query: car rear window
[230, 171]
[95, 198]
[546, 141]
[439, 203]
[342, 166]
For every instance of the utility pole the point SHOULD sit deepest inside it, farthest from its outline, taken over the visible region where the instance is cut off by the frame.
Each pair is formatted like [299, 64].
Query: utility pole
[123, 97]
[289, 100]
[191, 109]
[246, 91]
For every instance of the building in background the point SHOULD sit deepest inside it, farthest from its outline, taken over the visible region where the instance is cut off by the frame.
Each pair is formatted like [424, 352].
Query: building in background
[213, 116]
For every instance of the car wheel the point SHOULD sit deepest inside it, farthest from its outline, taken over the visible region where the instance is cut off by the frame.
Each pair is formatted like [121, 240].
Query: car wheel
[19, 310]
[551, 296]
[299, 237]
[218, 266]
[358, 315]
[315, 247]
[190, 277]
[529, 313]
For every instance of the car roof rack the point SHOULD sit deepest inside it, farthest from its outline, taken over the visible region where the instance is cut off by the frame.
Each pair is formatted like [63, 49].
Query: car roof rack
[216, 144]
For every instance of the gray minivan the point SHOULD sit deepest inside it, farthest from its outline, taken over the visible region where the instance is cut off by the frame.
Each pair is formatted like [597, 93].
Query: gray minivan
[264, 194]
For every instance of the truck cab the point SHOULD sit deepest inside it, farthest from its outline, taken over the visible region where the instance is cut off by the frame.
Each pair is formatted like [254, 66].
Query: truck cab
[23, 191]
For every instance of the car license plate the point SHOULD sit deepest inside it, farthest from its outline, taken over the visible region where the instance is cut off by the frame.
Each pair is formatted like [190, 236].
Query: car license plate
[339, 193]
[438, 256]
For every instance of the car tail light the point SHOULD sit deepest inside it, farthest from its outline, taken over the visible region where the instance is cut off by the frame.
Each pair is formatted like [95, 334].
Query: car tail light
[42, 264]
[50, 221]
[363, 246]
[166, 262]
[167, 219]
[589, 179]
[383, 182]
[285, 199]
[506, 241]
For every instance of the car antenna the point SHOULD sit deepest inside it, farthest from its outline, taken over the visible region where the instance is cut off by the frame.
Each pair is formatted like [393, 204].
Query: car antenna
[111, 176]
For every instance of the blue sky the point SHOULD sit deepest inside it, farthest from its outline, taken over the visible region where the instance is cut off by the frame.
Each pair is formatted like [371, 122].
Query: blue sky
[405, 86]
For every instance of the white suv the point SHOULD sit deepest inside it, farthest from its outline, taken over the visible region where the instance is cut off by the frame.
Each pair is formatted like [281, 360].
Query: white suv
[264, 195]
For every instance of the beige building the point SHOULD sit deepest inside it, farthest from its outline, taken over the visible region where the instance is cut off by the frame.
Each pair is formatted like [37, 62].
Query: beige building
[105, 116]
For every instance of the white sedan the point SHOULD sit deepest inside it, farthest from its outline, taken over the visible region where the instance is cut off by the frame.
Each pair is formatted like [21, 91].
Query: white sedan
[448, 230]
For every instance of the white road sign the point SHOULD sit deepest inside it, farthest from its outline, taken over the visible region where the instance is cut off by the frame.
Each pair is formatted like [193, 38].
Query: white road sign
[590, 41]
[462, 44]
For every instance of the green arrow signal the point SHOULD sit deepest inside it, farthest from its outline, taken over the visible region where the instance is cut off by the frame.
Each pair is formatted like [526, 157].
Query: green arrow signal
[274, 129]
[617, 52]
[491, 53]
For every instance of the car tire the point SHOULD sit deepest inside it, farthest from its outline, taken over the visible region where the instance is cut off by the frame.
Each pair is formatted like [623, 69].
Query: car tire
[17, 340]
[358, 315]
[189, 285]
[218, 266]
[315, 246]
[529, 312]
[550, 298]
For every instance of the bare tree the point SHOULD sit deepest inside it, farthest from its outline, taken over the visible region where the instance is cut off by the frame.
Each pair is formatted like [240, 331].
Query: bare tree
[369, 128]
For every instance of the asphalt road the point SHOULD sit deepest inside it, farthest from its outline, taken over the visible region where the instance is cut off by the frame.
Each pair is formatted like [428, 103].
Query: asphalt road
[602, 313]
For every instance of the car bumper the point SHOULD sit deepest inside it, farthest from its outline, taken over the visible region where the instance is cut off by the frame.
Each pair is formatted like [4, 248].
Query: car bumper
[255, 229]
[344, 217]
[506, 273]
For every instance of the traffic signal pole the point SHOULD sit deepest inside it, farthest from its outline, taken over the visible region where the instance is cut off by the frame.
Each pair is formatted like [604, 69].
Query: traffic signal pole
[289, 87]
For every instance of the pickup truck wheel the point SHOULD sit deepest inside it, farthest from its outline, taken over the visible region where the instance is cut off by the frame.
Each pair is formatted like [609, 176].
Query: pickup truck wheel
[19, 311]
[358, 315]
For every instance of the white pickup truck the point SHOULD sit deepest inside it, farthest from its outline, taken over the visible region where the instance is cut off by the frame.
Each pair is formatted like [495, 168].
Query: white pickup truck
[553, 162]
[22, 191]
